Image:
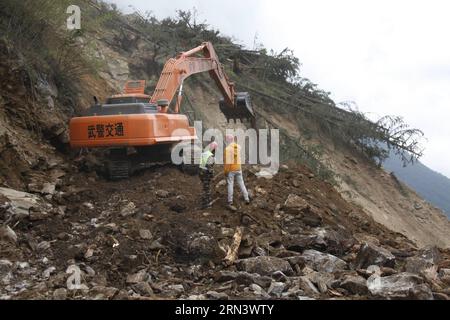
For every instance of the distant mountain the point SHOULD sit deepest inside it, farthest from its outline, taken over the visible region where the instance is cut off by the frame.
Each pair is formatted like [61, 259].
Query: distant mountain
[431, 185]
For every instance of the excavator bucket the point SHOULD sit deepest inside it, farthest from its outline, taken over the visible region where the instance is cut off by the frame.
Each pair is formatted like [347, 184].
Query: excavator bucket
[241, 110]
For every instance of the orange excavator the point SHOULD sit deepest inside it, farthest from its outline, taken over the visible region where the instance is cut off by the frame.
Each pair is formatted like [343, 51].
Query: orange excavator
[138, 129]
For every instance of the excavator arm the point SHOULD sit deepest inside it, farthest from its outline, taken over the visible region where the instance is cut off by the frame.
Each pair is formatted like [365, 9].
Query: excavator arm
[234, 105]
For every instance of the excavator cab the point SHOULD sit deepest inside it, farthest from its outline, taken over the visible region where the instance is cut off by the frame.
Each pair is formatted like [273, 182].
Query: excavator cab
[242, 109]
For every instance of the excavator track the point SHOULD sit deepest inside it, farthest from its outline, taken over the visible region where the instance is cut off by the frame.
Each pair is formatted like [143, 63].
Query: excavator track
[118, 170]
[121, 165]
[118, 164]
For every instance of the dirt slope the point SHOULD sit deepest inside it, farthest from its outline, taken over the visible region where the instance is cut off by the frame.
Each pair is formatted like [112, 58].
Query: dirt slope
[392, 203]
[371, 188]
[379, 194]
[146, 238]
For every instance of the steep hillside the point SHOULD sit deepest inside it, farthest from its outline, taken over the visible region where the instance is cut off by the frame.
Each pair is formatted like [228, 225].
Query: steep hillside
[328, 225]
[307, 121]
[431, 185]
[379, 194]
[311, 125]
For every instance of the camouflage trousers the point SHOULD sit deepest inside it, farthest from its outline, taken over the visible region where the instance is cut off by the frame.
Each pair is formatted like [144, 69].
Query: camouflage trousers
[206, 177]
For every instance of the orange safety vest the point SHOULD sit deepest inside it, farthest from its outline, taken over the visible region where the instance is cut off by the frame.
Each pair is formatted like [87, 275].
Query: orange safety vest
[232, 158]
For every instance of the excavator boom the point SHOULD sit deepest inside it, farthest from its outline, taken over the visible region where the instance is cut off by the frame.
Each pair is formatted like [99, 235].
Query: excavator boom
[234, 105]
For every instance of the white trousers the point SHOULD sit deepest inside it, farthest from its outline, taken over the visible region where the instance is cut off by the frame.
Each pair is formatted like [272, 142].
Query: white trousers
[230, 185]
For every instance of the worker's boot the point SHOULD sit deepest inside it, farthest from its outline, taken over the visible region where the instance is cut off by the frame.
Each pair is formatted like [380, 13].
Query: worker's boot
[231, 207]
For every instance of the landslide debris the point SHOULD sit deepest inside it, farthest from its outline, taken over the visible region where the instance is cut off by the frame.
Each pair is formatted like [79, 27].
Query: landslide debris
[299, 241]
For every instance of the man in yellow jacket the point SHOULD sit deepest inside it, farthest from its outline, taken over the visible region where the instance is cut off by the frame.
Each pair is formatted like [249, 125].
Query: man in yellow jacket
[233, 169]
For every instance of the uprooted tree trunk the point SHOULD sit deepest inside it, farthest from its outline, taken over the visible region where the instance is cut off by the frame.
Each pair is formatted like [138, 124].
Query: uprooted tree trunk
[232, 253]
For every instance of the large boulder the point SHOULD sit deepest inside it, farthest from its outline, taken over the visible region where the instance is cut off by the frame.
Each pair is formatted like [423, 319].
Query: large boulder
[421, 266]
[320, 239]
[310, 216]
[323, 262]
[143, 288]
[307, 286]
[430, 254]
[128, 209]
[103, 293]
[370, 254]
[425, 262]
[295, 203]
[417, 264]
[242, 277]
[202, 247]
[323, 280]
[137, 277]
[355, 285]
[444, 276]
[338, 241]
[404, 285]
[276, 289]
[8, 234]
[5, 266]
[265, 265]
[21, 202]
[301, 242]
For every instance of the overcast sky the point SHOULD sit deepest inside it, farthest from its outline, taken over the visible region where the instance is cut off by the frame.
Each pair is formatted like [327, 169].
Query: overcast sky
[390, 57]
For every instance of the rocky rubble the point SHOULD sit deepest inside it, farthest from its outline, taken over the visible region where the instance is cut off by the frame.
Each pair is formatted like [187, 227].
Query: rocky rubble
[88, 238]
[370, 254]
[66, 233]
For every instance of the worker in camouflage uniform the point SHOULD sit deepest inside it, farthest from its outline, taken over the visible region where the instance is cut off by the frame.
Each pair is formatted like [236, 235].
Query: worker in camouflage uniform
[207, 173]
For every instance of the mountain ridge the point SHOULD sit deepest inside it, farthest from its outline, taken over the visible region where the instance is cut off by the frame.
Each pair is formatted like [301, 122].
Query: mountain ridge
[430, 184]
